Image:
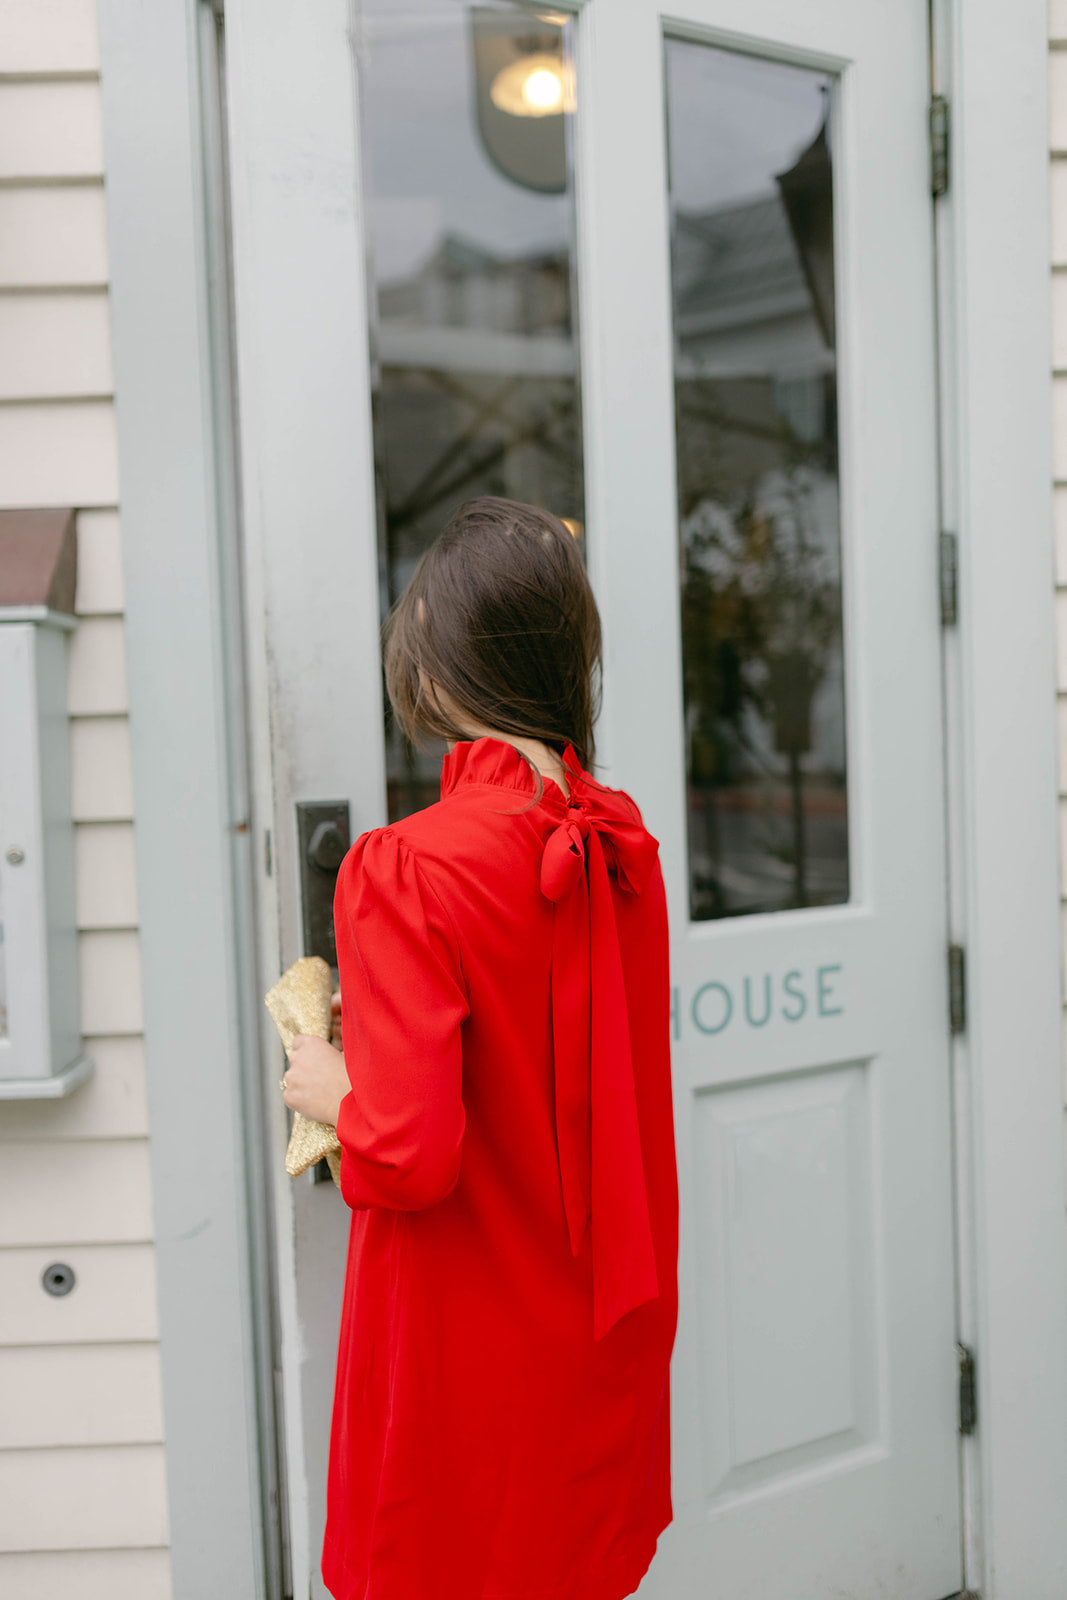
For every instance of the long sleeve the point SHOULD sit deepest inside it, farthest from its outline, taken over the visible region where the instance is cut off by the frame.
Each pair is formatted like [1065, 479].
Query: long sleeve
[403, 1001]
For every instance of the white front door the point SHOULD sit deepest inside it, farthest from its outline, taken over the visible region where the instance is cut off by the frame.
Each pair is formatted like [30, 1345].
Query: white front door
[672, 278]
[765, 516]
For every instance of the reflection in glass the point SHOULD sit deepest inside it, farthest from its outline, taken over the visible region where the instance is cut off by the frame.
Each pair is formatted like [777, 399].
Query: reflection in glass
[760, 550]
[466, 134]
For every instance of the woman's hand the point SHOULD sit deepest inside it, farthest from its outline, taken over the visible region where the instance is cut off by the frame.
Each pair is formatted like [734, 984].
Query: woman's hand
[316, 1080]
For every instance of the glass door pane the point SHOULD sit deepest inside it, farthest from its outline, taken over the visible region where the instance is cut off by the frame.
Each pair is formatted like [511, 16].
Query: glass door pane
[467, 114]
[752, 259]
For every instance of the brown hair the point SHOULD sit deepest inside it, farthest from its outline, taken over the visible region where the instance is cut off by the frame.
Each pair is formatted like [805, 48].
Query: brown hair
[508, 627]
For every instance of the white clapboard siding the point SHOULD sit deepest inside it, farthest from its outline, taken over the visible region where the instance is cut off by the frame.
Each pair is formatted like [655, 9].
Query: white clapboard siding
[1059, 428]
[86, 1575]
[96, 668]
[61, 453]
[87, 1191]
[53, 236]
[62, 1395]
[50, 130]
[110, 1105]
[1059, 506]
[48, 36]
[1057, 99]
[83, 1499]
[113, 1299]
[1059, 213]
[1059, 310]
[55, 345]
[100, 780]
[110, 966]
[1061, 641]
[82, 1504]
[99, 564]
[105, 875]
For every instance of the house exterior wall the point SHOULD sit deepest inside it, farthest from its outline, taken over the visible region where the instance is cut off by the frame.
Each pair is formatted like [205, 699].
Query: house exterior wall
[82, 1487]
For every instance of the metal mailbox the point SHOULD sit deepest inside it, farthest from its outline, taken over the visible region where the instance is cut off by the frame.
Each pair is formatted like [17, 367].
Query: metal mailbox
[40, 1042]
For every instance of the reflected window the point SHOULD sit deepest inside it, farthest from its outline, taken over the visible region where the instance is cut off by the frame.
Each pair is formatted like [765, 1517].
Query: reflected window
[467, 114]
[751, 196]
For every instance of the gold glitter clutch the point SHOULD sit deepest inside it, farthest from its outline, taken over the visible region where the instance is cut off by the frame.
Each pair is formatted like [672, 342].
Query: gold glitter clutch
[300, 1003]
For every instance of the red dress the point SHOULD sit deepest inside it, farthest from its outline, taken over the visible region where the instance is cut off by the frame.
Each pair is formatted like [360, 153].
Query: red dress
[501, 1422]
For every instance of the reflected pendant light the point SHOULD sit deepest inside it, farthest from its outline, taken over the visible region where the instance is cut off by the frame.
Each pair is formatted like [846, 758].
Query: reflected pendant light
[531, 86]
[523, 89]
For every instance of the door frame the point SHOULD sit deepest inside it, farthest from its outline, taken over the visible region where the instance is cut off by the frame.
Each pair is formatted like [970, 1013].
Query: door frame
[993, 269]
[199, 866]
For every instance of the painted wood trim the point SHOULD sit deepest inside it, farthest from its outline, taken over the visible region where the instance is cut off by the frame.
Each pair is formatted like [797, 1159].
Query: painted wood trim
[181, 780]
[994, 243]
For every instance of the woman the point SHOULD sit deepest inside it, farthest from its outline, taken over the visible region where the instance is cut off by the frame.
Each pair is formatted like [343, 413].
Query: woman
[501, 1422]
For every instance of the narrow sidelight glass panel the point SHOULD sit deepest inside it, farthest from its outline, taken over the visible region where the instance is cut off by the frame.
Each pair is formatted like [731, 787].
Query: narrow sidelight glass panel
[467, 114]
[751, 193]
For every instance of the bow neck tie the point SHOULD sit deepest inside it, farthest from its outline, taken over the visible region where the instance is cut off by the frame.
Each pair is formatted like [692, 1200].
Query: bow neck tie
[597, 1129]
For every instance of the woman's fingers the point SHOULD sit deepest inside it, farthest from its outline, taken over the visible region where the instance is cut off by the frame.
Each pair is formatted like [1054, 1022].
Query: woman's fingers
[315, 1080]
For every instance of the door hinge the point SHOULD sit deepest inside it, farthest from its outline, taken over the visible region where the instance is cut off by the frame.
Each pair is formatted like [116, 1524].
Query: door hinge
[957, 989]
[939, 145]
[968, 1389]
[949, 578]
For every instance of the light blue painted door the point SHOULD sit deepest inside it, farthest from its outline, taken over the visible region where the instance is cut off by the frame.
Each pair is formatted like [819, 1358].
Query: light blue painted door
[671, 276]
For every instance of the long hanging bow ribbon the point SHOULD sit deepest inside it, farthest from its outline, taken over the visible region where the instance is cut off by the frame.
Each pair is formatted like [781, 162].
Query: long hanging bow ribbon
[597, 1132]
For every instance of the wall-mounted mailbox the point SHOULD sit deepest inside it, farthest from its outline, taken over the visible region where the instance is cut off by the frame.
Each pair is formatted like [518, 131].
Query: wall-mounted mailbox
[40, 1043]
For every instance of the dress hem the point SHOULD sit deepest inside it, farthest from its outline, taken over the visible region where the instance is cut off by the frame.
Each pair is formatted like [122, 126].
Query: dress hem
[595, 1584]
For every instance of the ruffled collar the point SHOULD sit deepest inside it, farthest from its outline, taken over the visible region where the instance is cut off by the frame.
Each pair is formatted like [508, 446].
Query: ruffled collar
[492, 763]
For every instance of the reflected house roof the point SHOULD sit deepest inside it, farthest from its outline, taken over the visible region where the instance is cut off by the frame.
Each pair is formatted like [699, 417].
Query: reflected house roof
[527, 292]
[470, 309]
[741, 302]
[734, 266]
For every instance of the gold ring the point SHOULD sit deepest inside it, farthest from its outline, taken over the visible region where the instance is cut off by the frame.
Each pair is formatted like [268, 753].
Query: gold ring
[281, 1084]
